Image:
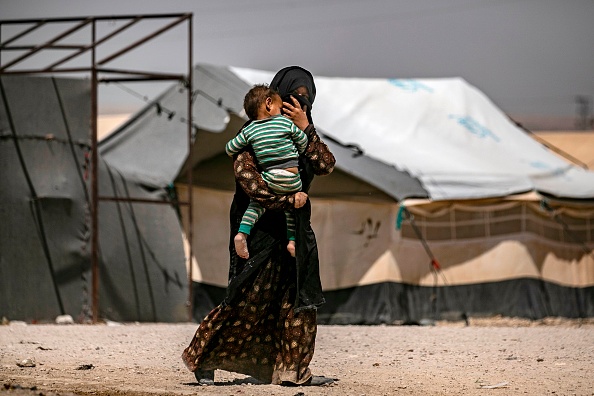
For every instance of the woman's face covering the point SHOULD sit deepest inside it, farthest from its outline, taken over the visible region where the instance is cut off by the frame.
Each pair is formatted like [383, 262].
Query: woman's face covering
[295, 80]
[301, 94]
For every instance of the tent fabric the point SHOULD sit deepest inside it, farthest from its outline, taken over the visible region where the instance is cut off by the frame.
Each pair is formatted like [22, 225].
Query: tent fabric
[45, 248]
[409, 304]
[402, 303]
[373, 267]
[153, 145]
[139, 146]
[372, 270]
[44, 256]
[141, 269]
[444, 132]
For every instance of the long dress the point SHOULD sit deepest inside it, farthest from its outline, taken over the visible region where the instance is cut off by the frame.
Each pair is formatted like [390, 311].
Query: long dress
[266, 326]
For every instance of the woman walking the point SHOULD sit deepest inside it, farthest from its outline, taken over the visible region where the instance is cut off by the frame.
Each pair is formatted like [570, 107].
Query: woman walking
[266, 326]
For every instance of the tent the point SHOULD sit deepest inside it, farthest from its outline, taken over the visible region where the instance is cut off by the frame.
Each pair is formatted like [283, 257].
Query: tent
[45, 250]
[438, 203]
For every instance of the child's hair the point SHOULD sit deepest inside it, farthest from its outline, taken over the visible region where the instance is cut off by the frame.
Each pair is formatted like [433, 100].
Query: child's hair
[255, 97]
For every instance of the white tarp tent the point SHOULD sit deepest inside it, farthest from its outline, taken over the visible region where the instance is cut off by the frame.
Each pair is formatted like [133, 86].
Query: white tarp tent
[445, 132]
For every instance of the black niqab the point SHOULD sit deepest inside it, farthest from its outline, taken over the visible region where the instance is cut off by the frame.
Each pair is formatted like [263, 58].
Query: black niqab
[288, 79]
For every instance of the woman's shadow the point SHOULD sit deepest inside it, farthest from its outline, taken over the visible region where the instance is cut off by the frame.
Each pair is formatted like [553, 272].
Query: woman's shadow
[237, 381]
[317, 380]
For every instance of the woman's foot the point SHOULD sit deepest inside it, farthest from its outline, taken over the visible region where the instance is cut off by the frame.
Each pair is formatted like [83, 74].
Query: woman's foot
[241, 248]
[204, 377]
[315, 380]
[291, 248]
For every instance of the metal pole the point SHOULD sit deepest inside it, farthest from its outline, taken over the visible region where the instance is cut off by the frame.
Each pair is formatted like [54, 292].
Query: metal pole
[94, 184]
[190, 170]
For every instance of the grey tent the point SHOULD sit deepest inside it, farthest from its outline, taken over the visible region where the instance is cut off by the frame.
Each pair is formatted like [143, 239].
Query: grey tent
[45, 247]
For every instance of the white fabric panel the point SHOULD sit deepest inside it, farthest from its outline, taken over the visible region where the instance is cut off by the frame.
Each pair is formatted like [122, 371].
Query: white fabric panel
[444, 132]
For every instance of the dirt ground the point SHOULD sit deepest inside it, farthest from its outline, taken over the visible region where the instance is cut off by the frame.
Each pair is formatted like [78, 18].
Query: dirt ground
[490, 356]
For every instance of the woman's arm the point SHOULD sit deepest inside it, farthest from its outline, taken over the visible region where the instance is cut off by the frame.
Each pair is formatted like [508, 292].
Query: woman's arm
[317, 153]
[250, 180]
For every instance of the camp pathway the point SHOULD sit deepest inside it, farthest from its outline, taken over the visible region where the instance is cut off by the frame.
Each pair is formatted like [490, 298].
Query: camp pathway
[503, 357]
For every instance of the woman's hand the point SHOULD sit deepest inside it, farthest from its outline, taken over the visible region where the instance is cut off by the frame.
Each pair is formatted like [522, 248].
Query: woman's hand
[300, 199]
[295, 113]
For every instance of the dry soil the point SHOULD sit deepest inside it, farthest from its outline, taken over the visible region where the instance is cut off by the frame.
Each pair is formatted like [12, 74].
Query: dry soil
[488, 357]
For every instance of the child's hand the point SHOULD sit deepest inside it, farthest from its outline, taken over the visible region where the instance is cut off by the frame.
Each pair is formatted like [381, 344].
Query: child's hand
[300, 199]
[295, 113]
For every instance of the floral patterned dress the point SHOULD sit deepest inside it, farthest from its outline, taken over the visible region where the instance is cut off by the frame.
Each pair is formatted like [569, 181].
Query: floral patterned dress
[266, 326]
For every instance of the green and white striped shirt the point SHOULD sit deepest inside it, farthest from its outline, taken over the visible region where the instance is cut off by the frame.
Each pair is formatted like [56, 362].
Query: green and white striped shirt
[277, 142]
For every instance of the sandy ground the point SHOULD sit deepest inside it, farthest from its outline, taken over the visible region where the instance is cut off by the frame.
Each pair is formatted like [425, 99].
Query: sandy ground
[488, 357]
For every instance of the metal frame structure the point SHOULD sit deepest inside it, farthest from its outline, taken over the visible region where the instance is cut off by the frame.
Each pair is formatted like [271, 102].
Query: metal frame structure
[101, 74]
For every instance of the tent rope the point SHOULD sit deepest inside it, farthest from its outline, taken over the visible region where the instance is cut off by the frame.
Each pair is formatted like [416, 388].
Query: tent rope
[434, 263]
[555, 216]
[171, 113]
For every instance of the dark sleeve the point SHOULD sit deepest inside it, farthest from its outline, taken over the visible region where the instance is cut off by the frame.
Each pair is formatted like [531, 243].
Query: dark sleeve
[249, 178]
[318, 154]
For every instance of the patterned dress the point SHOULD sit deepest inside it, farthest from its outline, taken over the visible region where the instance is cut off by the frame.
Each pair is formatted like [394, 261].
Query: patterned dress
[266, 326]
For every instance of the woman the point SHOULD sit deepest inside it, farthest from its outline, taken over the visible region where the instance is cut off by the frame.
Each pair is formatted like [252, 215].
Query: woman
[266, 326]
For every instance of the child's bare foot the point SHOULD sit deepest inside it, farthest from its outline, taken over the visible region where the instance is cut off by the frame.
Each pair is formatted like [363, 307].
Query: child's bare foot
[241, 245]
[291, 248]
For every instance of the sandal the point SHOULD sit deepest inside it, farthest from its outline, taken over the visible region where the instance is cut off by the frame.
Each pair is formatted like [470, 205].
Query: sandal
[204, 377]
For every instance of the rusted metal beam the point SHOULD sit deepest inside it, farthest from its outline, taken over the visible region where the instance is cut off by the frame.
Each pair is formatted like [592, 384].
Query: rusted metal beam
[96, 18]
[94, 185]
[41, 71]
[49, 47]
[142, 41]
[190, 173]
[43, 46]
[95, 44]
[134, 79]
[22, 34]
[142, 200]
[139, 74]
[94, 71]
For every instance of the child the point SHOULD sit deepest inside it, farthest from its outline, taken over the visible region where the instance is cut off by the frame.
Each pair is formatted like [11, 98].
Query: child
[277, 143]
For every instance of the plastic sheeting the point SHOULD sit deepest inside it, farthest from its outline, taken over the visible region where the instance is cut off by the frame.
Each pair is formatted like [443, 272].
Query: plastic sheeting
[152, 146]
[444, 132]
[44, 236]
[45, 249]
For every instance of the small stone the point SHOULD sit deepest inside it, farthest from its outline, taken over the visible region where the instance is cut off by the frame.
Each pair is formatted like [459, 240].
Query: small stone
[26, 363]
[64, 319]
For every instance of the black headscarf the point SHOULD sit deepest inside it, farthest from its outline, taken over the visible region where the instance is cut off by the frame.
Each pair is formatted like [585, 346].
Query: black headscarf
[288, 79]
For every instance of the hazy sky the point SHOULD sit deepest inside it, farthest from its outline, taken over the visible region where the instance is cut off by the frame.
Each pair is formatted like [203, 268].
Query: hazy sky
[531, 57]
